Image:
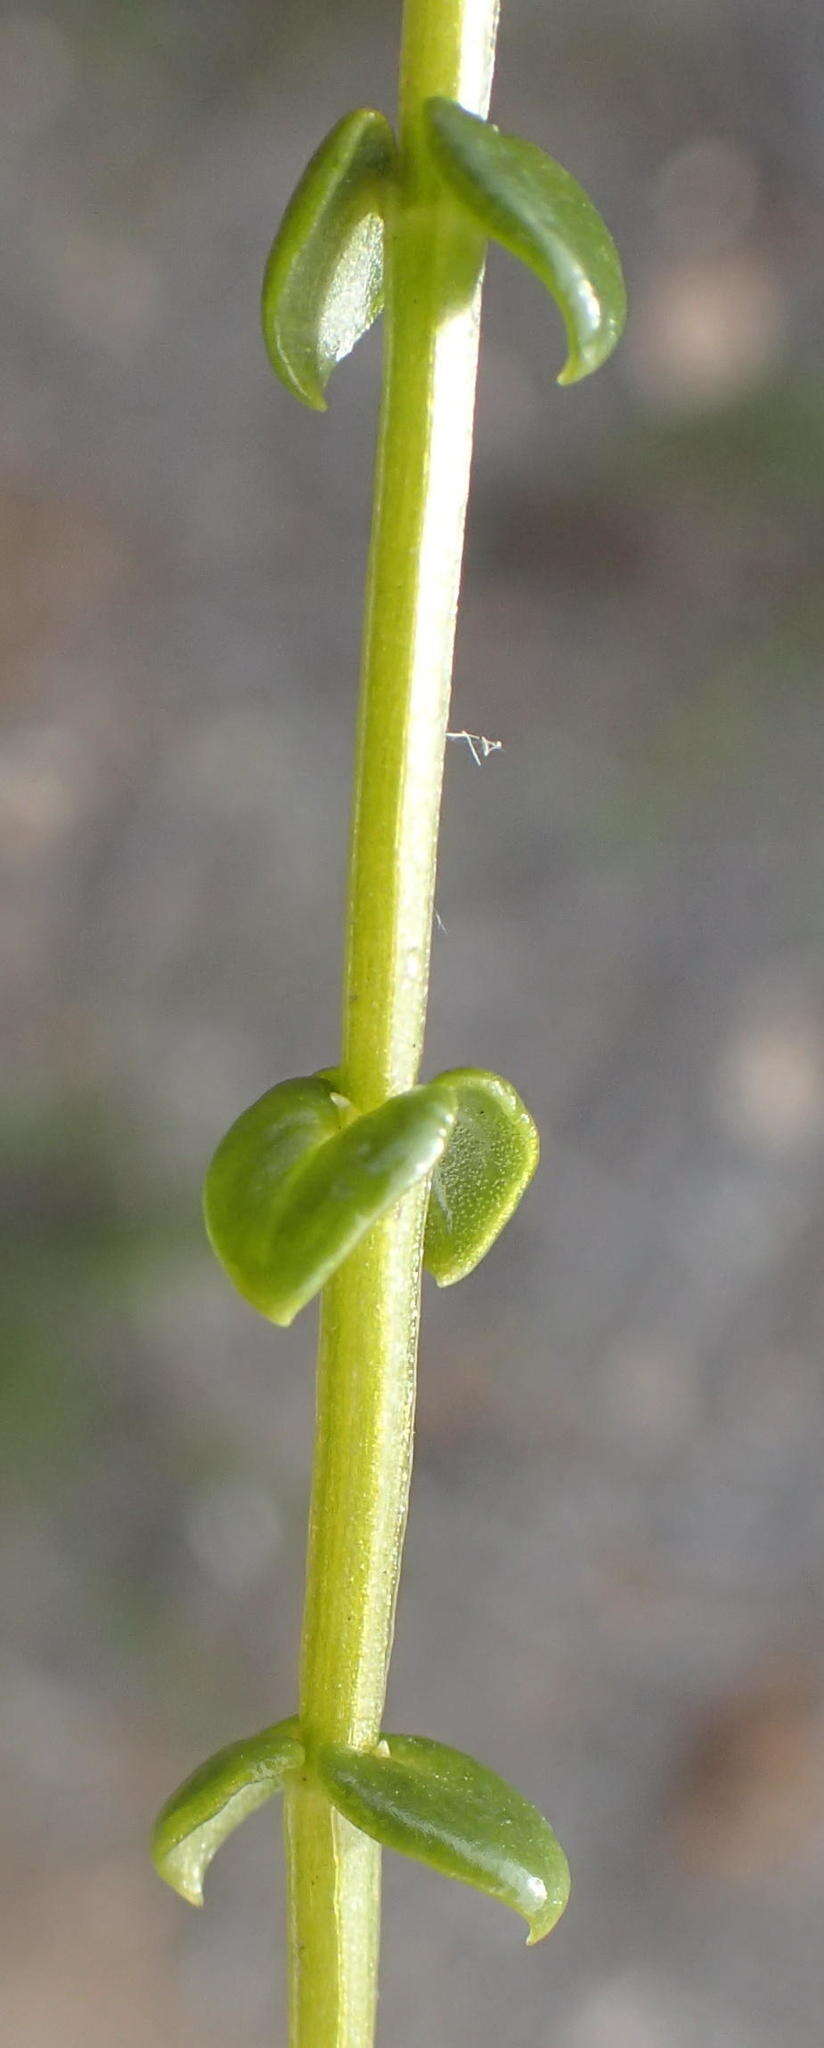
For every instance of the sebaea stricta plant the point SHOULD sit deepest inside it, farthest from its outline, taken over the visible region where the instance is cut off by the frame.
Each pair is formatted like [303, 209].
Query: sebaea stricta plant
[352, 1180]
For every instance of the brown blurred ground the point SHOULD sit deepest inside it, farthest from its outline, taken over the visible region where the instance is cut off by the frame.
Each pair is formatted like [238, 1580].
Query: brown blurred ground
[613, 1587]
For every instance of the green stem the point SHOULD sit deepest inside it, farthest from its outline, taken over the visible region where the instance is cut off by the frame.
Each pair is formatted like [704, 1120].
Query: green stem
[369, 1322]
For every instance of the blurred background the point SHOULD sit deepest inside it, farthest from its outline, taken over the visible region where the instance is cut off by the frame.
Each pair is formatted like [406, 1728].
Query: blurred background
[614, 1586]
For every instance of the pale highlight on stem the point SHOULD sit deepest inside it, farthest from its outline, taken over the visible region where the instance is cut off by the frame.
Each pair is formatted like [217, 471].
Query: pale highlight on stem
[369, 1327]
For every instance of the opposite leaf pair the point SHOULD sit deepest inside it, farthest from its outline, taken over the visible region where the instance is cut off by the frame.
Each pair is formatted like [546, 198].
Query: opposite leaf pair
[324, 281]
[300, 1178]
[410, 1794]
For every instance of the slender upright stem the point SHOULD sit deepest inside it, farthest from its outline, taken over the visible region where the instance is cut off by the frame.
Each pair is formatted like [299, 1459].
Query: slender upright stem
[369, 1321]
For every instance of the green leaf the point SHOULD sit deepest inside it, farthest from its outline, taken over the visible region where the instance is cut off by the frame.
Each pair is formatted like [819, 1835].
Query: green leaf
[539, 213]
[323, 284]
[291, 1191]
[488, 1163]
[448, 1811]
[245, 1181]
[191, 1826]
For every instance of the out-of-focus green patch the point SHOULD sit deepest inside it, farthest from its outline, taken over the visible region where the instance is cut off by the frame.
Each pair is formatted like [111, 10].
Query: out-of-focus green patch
[75, 1247]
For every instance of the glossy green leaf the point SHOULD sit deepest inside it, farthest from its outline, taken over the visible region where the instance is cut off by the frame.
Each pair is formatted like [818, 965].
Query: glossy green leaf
[292, 1188]
[323, 284]
[442, 1807]
[191, 1826]
[488, 1163]
[244, 1184]
[541, 214]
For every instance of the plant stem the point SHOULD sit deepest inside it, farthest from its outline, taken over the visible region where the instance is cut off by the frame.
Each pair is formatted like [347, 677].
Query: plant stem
[369, 1319]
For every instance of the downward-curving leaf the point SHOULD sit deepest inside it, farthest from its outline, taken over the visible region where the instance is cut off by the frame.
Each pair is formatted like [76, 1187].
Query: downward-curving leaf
[291, 1190]
[489, 1161]
[191, 1826]
[541, 214]
[323, 284]
[448, 1811]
